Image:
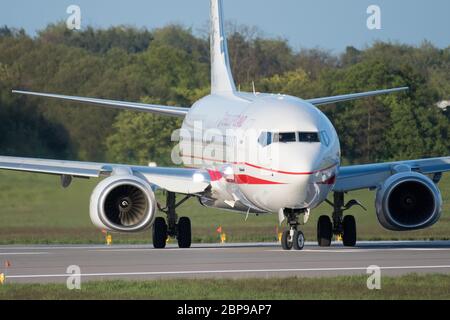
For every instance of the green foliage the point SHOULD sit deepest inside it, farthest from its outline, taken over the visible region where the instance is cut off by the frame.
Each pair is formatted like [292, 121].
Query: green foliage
[141, 138]
[405, 287]
[253, 57]
[98, 40]
[23, 130]
[170, 66]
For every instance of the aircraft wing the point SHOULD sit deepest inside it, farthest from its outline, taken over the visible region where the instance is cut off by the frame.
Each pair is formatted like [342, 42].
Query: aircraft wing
[151, 108]
[372, 175]
[178, 180]
[354, 96]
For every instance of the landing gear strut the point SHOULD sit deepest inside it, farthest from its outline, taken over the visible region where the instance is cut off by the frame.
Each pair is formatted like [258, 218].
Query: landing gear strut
[175, 227]
[344, 226]
[292, 238]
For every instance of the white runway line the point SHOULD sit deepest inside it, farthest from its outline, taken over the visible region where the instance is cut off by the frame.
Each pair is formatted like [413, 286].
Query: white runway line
[335, 250]
[206, 272]
[138, 247]
[420, 249]
[38, 247]
[21, 253]
[148, 247]
[157, 250]
[338, 250]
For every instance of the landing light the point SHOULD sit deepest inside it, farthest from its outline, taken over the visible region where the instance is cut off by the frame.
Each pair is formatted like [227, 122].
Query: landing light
[228, 171]
[198, 178]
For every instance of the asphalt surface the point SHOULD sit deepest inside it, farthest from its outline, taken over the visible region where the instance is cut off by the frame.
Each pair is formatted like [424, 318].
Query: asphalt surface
[40, 264]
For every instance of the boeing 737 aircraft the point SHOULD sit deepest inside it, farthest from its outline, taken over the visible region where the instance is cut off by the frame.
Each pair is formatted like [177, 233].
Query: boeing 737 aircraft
[252, 153]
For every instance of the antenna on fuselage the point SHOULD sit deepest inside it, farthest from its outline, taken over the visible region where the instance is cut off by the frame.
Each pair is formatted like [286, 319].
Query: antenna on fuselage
[221, 75]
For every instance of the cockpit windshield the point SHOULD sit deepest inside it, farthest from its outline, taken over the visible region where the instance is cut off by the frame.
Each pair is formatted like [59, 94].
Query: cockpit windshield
[308, 137]
[285, 137]
[267, 138]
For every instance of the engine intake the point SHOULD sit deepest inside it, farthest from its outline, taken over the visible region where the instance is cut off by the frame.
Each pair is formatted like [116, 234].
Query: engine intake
[123, 204]
[408, 201]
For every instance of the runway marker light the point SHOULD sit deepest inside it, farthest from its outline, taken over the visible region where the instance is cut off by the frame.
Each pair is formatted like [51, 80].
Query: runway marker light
[223, 238]
[3, 275]
[108, 240]
[279, 234]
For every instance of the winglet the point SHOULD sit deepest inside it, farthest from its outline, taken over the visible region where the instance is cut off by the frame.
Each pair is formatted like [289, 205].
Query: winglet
[221, 76]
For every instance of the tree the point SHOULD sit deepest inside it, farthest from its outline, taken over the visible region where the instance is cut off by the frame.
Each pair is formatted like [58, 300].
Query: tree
[24, 131]
[98, 40]
[140, 138]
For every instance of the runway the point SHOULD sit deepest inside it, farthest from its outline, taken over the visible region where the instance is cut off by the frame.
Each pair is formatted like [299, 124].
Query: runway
[42, 264]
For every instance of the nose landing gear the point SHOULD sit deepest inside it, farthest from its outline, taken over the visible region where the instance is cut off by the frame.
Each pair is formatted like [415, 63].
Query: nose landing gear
[292, 238]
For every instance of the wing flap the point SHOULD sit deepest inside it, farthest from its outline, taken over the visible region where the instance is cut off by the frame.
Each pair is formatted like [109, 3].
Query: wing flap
[56, 167]
[75, 172]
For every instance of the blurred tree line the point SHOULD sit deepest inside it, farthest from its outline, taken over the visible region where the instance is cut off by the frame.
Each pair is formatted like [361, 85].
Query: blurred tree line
[171, 66]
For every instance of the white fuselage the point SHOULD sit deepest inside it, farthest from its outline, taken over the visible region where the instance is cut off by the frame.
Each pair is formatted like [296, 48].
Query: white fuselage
[236, 138]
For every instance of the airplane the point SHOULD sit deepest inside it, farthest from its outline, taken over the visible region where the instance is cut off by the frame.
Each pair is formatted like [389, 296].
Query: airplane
[276, 154]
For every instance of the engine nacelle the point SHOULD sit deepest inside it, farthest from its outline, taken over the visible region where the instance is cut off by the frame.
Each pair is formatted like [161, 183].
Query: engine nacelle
[123, 204]
[408, 201]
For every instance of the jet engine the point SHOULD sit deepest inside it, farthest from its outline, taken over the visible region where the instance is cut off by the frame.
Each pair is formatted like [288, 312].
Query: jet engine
[123, 204]
[408, 201]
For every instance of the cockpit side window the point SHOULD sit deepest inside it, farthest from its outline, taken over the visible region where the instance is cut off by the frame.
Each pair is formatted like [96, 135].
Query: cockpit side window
[325, 138]
[265, 139]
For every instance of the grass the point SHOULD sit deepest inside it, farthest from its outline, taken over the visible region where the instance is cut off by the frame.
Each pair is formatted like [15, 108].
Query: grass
[350, 287]
[35, 209]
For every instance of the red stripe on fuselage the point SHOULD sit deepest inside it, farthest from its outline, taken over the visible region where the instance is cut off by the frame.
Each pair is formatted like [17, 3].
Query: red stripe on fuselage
[290, 173]
[246, 179]
[240, 179]
[215, 175]
[262, 168]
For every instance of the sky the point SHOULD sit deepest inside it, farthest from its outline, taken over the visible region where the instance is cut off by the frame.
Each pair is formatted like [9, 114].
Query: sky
[326, 24]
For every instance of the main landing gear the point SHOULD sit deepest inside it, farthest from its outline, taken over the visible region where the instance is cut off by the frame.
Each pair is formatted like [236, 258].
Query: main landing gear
[292, 238]
[344, 226]
[175, 227]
